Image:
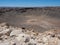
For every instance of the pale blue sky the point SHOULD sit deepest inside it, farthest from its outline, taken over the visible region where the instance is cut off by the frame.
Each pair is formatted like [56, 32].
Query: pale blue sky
[29, 3]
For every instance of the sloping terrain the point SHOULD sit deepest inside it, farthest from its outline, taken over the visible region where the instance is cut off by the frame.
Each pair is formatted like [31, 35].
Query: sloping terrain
[17, 36]
[38, 19]
[30, 26]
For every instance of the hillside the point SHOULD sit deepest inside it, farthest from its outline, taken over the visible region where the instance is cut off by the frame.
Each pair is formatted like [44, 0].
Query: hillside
[30, 26]
[38, 19]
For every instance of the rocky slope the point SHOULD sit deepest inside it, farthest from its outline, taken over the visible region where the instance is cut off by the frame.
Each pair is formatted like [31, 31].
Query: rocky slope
[30, 26]
[38, 19]
[19, 36]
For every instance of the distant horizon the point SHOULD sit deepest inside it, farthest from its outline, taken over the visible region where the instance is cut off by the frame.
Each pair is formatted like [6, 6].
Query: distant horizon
[29, 3]
[28, 7]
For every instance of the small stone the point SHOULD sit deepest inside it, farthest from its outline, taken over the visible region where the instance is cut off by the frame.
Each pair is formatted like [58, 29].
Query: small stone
[0, 38]
[53, 35]
[58, 37]
[33, 38]
[14, 44]
[23, 27]
[20, 37]
[15, 32]
[27, 40]
[1, 34]
[31, 44]
[8, 33]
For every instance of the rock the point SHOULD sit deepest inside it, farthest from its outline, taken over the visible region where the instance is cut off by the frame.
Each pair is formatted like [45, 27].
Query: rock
[27, 40]
[5, 43]
[1, 38]
[22, 37]
[16, 32]
[31, 44]
[18, 36]
[58, 42]
[53, 41]
[5, 32]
